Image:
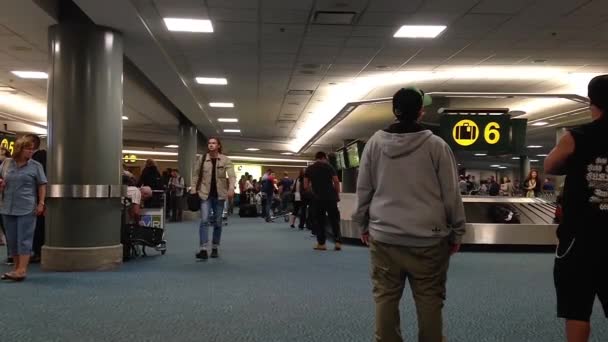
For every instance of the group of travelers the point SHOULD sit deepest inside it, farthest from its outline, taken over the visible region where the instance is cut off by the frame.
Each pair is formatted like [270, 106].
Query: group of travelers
[531, 187]
[412, 226]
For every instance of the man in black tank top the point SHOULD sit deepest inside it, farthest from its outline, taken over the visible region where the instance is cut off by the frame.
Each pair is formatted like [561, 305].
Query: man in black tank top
[580, 272]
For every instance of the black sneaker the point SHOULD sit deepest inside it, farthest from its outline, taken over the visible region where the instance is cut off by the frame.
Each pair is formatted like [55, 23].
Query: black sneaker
[9, 261]
[292, 226]
[202, 254]
[214, 253]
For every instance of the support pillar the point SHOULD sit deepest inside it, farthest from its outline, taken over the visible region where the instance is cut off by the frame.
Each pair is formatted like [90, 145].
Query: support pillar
[85, 91]
[349, 175]
[524, 168]
[187, 150]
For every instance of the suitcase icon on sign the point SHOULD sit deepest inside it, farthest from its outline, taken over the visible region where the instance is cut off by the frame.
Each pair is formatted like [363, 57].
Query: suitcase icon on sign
[466, 132]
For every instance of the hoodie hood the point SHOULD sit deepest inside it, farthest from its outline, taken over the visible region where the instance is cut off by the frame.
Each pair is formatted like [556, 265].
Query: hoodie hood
[400, 144]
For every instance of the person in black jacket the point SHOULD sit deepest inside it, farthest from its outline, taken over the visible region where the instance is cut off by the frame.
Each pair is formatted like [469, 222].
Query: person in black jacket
[150, 176]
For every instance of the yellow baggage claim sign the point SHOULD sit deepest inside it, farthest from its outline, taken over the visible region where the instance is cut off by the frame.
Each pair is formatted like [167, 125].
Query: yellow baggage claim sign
[482, 133]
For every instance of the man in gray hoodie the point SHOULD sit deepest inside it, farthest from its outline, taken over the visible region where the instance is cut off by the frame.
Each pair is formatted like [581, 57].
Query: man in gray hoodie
[411, 214]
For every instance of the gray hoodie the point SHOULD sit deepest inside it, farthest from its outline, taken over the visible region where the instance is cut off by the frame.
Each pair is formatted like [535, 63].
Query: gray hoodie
[407, 190]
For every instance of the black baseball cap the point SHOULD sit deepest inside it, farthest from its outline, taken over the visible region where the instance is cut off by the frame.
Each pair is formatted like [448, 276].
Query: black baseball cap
[598, 92]
[407, 103]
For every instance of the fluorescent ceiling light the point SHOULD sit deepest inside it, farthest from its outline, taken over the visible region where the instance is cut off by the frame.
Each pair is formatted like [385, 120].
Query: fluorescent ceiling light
[232, 131]
[542, 155]
[188, 25]
[268, 159]
[152, 153]
[221, 104]
[480, 154]
[535, 146]
[502, 167]
[31, 74]
[252, 149]
[533, 160]
[172, 146]
[287, 153]
[125, 117]
[211, 80]
[495, 165]
[227, 120]
[515, 158]
[419, 31]
[540, 123]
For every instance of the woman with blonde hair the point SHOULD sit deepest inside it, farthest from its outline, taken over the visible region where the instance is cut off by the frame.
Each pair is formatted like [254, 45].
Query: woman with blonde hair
[23, 186]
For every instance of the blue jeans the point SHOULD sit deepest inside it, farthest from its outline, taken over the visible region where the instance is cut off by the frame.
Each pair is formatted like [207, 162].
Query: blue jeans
[215, 206]
[268, 205]
[19, 233]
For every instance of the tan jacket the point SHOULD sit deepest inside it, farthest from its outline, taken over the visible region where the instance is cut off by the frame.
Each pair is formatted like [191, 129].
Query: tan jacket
[223, 169]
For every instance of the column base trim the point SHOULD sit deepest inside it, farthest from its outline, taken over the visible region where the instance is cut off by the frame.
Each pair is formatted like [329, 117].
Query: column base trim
[78, 259]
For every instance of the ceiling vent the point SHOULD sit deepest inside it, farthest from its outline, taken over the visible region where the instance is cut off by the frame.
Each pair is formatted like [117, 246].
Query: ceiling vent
[334, 18]
[300, 92]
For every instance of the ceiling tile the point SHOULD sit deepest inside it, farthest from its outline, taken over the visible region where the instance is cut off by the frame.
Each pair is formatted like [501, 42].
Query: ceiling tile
[238, 4]
[233, 14]
[284, 16]
[394, 6]
[294, 5]
[383, 19]
[500, 6]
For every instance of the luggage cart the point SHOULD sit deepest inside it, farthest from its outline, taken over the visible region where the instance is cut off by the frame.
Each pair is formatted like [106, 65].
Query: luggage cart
[149, 231]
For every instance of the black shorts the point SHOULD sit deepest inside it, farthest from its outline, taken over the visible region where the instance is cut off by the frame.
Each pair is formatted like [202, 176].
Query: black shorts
[580, 275]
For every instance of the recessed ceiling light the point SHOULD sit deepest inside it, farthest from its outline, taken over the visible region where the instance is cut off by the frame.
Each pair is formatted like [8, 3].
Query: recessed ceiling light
[188, 25]
[533, 160]
[542, 155]
[211, 80]
[502, 167]
[540, 123]
[227, 120]
[221, 104]
[287, 153]
[534, 146]
[125, 117]
[252, 149]
[31, 74]
[172, 146]
[232, 131]
[495, 165]
[480, 154]
[419, 31]
[515, 158]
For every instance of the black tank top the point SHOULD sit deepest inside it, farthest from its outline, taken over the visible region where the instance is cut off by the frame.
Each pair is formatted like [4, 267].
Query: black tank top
[586, 188]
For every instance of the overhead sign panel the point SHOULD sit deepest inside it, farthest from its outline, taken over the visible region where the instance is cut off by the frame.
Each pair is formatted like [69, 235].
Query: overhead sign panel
[478, 133]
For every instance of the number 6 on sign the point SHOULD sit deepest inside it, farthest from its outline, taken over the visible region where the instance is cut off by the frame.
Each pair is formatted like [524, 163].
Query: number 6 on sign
[492, 134]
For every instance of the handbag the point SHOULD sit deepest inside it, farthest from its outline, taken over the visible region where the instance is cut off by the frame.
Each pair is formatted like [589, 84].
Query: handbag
[193, 199]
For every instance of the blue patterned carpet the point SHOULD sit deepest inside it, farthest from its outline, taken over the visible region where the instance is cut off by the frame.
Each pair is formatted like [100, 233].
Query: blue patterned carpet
[269, 285]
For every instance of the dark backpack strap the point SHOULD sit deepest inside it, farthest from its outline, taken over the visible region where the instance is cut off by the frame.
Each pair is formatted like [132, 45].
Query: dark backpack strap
[200, 173]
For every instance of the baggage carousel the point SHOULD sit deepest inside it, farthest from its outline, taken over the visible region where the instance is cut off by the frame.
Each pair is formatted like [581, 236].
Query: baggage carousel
[531, 221]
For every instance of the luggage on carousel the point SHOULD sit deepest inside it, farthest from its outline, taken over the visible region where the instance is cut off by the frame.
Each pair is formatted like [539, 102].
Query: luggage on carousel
[248, 210]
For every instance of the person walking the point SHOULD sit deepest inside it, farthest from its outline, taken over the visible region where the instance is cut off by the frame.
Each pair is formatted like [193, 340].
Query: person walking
[4, 154]
[23, 186]
[412, 216]
[268, 189]
[580, 263]
[211, 186]
[322, 179]
[299, 206]
[285, 193]
[176, 191]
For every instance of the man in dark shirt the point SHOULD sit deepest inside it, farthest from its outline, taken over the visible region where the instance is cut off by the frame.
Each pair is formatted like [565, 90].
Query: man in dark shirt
[323, 180]
[580, 264]
[39, 156]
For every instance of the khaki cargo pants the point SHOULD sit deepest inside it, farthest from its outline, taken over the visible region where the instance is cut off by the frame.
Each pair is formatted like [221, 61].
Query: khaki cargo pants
[426, 268]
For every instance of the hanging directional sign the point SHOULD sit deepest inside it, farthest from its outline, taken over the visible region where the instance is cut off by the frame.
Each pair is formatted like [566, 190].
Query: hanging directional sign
[480, 133]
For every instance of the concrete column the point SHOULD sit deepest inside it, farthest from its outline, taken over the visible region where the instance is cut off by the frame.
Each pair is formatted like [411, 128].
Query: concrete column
[349, 176]
[524, 168]
[187, 150]
[84, 154]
